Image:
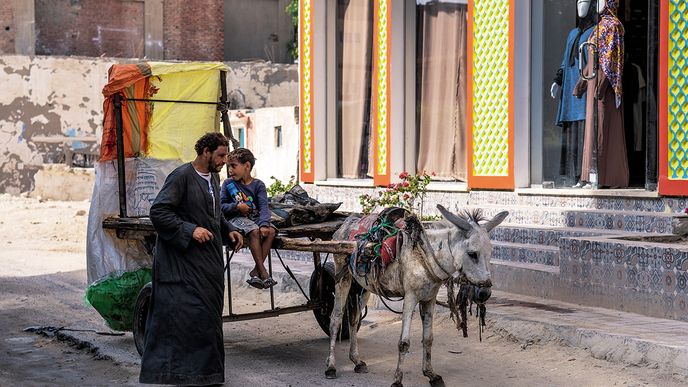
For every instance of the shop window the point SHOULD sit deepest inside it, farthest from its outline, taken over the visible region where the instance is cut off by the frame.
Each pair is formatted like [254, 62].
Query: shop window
[622, 154]
[441, 28]
[354, 40]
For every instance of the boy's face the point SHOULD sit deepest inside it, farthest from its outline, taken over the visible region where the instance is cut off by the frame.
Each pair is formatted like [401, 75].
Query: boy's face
[239, 170]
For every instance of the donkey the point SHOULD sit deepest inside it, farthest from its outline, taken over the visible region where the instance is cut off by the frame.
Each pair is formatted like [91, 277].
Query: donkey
[426, 259]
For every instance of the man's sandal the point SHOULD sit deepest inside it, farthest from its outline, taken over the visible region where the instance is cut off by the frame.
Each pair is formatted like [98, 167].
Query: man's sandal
[256, 282]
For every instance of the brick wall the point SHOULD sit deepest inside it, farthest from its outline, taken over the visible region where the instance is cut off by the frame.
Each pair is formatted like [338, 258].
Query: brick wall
[113, 28]
[7, 29]
[194, 30]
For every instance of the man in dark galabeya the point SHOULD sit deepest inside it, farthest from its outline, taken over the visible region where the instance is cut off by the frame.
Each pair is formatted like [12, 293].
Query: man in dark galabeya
[184, 343]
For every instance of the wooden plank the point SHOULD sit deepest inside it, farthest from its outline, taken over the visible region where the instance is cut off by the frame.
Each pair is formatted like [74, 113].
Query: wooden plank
[334, 247]
[133, 224]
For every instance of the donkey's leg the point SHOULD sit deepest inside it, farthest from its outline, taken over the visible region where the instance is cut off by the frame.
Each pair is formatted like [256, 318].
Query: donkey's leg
[427, 311]
[410, 302]
[341, 293]
[354, 320]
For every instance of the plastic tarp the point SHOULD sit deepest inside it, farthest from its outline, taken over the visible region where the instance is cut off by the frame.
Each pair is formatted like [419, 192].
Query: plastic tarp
[171, 125]
[158, 137]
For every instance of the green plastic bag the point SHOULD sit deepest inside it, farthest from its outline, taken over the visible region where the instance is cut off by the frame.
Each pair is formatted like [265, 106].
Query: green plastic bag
[115, 297]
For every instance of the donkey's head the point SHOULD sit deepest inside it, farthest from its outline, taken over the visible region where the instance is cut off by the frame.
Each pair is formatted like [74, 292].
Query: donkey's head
[470, 247]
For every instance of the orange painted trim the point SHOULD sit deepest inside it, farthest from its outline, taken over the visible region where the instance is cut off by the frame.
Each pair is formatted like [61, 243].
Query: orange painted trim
[469, 94]
[306, 176]
[382, 179]
[663, 106]
[666, 185]
[492, 182]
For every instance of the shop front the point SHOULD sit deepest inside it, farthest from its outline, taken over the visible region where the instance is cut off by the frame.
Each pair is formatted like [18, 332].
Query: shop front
[585, 147]
[481, 92]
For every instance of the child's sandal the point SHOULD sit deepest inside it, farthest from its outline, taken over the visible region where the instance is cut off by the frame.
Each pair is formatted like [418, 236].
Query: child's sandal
[268, 283]
[256, 282]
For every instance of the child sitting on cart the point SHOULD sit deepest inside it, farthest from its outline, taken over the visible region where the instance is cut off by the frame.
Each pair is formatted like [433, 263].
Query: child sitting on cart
[245, 205]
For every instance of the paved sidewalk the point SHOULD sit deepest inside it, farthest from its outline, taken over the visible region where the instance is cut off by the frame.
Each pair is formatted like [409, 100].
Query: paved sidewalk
[607, 334]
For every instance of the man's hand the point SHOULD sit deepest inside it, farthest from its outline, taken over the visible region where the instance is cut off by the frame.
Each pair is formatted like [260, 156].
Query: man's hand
[202, 235]
[237, 240]
[243, 208]
[264, 231]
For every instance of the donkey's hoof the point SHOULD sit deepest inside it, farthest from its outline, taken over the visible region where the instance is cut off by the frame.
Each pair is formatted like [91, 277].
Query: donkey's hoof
[397, 384]
[361, 368]
[331, 373]
[437, 381]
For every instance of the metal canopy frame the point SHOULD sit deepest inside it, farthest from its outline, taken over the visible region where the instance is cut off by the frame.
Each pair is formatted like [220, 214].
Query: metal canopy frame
[222, 106]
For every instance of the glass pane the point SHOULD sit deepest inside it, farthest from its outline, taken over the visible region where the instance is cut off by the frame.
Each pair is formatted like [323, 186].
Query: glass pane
[354, 63]
[595, 131]
[441, 88]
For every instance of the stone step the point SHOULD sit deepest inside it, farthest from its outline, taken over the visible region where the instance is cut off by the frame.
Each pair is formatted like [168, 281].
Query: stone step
[629, 221]
[548, 236]
[525, 253]
[641, 266]
[615, 200]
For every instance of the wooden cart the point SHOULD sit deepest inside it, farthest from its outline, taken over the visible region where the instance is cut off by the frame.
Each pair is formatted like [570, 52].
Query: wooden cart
[314, 238]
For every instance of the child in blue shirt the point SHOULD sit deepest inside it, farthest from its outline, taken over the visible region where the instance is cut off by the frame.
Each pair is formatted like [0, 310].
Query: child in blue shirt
[244, 202]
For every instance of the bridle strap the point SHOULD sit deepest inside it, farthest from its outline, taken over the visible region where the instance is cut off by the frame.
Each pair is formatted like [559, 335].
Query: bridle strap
[431, 273]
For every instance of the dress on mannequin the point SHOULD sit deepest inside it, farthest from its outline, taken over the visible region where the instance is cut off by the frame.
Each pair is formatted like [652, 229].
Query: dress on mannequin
[605, 90]
[571, 110]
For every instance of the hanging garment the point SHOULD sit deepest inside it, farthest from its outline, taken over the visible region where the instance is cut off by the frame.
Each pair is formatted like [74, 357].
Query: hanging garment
[608, 35]
[612, 161]
[571, 108]
[571, 150]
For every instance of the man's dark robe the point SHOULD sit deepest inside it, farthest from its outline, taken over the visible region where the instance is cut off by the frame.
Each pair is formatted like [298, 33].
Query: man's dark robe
[184, 342]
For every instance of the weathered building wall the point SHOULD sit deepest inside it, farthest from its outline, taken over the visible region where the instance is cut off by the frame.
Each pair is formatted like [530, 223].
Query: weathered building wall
[45, 97]
[7, 28]
[274, 139]
[113, 28]
[260, 84]
[194, 30]
[257, 29]
[46, 102]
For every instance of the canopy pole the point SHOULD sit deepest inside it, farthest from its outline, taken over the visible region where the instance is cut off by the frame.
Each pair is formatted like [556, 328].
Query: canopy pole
[120, 157]
[223, 107]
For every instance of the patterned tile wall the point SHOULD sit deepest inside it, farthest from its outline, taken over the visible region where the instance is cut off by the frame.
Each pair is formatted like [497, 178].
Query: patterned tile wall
[678, 90]
[645, 271]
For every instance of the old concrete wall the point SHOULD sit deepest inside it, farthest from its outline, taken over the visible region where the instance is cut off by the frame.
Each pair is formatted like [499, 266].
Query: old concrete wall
[272, 158]
[45, 101]
[260, 84]
[42, 98]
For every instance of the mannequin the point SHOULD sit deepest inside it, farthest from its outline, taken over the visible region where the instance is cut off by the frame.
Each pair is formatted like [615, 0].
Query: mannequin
[571, 110]
[605, 92]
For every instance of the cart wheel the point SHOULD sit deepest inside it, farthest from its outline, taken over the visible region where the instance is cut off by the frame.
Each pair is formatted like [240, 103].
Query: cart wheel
[140, 316]
[322, 290]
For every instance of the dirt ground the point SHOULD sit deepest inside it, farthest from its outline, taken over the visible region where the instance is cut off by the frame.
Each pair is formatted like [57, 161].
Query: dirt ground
[42, 278]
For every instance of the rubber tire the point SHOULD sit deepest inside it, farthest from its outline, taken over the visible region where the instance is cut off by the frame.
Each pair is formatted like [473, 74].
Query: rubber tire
[326, 277]
[140, 316]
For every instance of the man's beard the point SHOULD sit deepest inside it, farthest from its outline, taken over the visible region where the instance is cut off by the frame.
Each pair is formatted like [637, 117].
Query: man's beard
[214, 167]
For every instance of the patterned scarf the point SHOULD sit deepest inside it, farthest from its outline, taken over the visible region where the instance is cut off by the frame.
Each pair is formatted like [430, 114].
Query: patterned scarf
[609, 37]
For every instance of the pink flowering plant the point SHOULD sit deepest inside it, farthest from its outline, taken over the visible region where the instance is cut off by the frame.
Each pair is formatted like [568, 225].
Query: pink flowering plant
[408, 194]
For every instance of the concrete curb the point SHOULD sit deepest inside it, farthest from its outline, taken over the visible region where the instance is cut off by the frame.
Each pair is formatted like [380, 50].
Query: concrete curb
[603, 342]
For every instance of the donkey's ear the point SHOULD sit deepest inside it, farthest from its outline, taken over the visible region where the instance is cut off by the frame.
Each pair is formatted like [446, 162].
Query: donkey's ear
[494, 222]
[457, 221]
